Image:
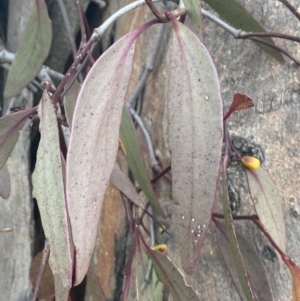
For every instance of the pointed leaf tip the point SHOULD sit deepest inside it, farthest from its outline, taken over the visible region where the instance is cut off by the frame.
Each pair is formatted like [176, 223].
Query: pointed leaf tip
[195, 139]
[94, 144]
[48, 189]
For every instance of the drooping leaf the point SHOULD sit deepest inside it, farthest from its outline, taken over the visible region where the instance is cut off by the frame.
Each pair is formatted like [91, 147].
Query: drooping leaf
[295, 273]
[195, 139]
[94, 143]
[10, 127]
[193, 8]
[70, 101]
[237, 16]
[240, 101]
[157, 287]
[4, 183]
[135, 160]
[171, 277]
[48, 189]
[123, 183]
[267, 203]
[61, 292]
[33, 50]
[234, 246]
[253, 264]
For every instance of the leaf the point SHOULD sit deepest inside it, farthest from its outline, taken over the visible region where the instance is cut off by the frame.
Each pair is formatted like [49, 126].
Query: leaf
[10, 127]
[135, 160]
[157, 287]
[193, 8]
[123, 183]
[61, 292]
[236, 15]
[94, 144]
[70, 101]
[253, 264]
[267, 203]
[33, 50]
[295, 273]
[171, 277]
[195, 139]
[240, 101]
[48, 189]
[235, 248]
[4, 183]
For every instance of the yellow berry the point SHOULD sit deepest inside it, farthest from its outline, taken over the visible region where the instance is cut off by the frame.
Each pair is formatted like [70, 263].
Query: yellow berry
[162, 248]
[250, 162]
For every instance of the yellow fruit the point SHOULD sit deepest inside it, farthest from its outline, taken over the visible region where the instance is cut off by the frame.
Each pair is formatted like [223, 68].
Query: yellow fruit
[161, 248]
[251, 162]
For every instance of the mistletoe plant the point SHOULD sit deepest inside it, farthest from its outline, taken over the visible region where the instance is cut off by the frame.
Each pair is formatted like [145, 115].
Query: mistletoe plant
[70, 187]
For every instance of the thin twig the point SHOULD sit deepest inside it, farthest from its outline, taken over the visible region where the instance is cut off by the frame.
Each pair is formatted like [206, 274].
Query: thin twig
[67, 26]
[41, 270]
[245, 35]
[239, 34]
[150, 66]
[161, 174]
[161, 17]
[291, 8]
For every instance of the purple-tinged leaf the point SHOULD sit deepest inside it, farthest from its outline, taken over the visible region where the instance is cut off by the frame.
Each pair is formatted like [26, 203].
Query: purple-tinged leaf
[195, 138]
[61, 292]
[193, 8]
[295, 273]
[33, 50]
[237, 16]
[10, 127]
[70, 101]
[135, 160]
[4, 183]
[171, 277]
[123, 183]
[48, 189]
[234, 246]
[253, 264]
[94, 144]
[240, 101]
[267, 204]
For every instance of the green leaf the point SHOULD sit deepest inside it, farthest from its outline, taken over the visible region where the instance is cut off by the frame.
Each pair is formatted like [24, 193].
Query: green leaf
[253, 264]
[33, 50]
[70, 101]
[4, 183]
[48, 189]
[94, 144]
[267, 203]
[235, 249]
[135, 160]
[193, 8]
[171, 277]
[195, 139]
[10, 127]
[157, 288]
[237, 16]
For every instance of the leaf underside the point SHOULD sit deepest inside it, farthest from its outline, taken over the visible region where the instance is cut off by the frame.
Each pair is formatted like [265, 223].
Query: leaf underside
[195, 139]
[70, 101]
[253, 264]
[235, 249]
[33, 50]
[48, 189]
[93, 145]
[237, 16]
[135, 160]
[267, 203]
